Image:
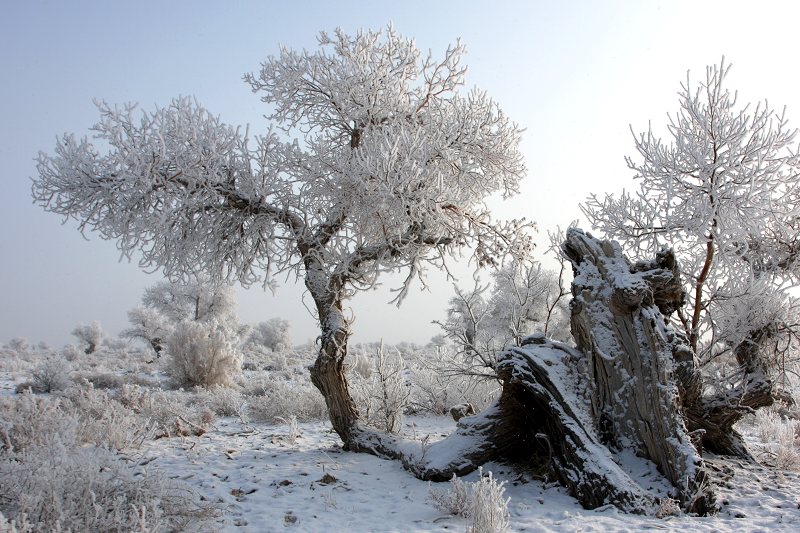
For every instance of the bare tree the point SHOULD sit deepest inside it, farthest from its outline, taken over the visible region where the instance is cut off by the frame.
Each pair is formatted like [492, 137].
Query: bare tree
[521, 299]
[376, 162]
[91, 335]
[723, 193]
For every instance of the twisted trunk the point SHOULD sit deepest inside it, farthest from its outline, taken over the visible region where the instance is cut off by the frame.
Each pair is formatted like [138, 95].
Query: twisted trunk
[327, 372]
[628, 359]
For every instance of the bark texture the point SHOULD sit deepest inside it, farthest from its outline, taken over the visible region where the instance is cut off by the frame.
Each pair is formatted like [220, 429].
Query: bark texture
[536, 424]
[712, 417]
[632, 383]
[628, 365]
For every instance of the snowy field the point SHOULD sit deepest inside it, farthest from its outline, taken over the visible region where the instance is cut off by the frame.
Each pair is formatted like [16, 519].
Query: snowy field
[242, 465]
[267, 484]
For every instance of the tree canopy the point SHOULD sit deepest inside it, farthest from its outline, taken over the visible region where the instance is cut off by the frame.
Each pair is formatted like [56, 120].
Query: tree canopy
[722, 190]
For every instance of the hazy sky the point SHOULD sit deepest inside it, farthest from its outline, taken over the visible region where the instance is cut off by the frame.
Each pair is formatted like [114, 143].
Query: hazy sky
[575, 74]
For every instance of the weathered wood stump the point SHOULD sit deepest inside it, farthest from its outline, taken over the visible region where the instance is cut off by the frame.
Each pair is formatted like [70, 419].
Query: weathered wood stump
[570, 411]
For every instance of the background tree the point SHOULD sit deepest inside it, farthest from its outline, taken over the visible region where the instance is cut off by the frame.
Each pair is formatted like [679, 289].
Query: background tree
[521, 299]
[272, 334]
[150, 326]
[723, 192]
[376, 163]
[198, 300]
[90, 335]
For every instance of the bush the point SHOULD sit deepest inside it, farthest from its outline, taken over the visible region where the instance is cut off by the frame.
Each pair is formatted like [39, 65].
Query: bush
[91, 336]
[58, 470]
[202, 354]
[273, 399]
[104, 421]
[481, 502]
[272, 334]
[168, 411]
[488, 510]
[222, 401]
[102, 380]
[780, 438]
[62, 487]
[50, 376]
[27, 421]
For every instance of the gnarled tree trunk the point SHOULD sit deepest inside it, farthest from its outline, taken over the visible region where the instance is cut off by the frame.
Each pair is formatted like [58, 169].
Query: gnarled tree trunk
[628, 366]
[713, 416]
[632, 384]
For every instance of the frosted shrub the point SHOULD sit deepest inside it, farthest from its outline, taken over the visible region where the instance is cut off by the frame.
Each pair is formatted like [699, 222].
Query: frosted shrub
[168, 411]
[50, 376]
[382, 391]
[60, 487]
[103, 420]
[27, 421]
[274, 398]
[481, 502]
[272, 334]
[488, 510]
[91, 336]
[454, 501]
[102, 380]
[71, 352]
[81, 415]
[202, 354]
[259, 357]
[223, 401]
[294, 429]
[779, 437]
[56, 470]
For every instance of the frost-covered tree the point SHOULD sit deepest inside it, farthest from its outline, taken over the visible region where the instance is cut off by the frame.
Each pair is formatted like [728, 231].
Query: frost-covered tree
[150, 326]
[197, 300]
[91, 336]
[722, 190]
[522, 298]
[376, 161]
[272, 334]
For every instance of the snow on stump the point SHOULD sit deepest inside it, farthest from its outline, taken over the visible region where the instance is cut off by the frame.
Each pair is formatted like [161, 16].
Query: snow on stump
[569, 412]
[461, 410]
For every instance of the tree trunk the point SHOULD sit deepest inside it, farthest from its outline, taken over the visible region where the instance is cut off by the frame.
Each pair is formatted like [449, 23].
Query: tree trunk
[714, 416]
[628, 366]
[535, 424]
[327, 373]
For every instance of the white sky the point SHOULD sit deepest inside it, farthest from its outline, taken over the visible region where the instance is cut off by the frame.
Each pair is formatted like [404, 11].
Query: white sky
[575, 74]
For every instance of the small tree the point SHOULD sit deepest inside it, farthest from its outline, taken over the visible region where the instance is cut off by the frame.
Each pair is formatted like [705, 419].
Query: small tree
[376, 163]
[522, 298]
[150, 326]
[272, 334]
[723, 192]
[90, 335]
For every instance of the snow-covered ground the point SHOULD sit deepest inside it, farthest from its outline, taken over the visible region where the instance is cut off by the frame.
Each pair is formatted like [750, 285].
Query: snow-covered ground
[262, 479]
[264, 482]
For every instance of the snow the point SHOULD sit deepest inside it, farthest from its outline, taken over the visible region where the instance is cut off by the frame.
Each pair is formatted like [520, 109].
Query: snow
[265, 483]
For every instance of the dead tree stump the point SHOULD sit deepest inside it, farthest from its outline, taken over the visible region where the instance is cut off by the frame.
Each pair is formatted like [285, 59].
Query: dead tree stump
[569, 411]
[629, 368]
